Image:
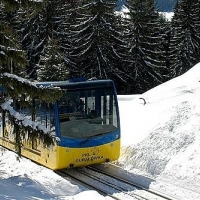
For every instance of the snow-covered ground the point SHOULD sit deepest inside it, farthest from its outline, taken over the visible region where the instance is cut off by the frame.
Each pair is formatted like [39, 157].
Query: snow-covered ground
[160, 139]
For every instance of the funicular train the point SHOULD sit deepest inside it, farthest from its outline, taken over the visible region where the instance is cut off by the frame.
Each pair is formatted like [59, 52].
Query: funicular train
[85, 122]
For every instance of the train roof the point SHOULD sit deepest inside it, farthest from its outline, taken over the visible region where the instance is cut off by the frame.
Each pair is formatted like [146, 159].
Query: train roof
[77, 83]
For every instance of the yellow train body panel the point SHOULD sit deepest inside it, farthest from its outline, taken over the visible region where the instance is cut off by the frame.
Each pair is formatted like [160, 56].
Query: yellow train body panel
[75, 157]
[58, 157]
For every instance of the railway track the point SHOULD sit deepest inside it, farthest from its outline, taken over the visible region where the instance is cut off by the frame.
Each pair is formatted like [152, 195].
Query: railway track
[112, 184]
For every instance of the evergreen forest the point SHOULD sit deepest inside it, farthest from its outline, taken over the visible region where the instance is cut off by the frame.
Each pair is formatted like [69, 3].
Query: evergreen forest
[54, 40]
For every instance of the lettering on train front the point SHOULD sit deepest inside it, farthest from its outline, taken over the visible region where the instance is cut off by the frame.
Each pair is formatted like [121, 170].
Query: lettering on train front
[90, 157]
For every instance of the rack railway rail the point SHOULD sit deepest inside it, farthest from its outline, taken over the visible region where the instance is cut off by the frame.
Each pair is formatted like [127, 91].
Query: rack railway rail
[112, 184]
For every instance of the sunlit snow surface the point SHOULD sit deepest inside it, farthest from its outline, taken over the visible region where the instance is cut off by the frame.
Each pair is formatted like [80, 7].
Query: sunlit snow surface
[160, 139]
[167, 15]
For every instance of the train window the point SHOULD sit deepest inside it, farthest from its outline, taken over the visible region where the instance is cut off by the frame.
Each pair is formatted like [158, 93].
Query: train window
[7, 127]
[94, 112]
[2, 94]
[23, 106]
[36, 144]
[44, 114]
[37, 111]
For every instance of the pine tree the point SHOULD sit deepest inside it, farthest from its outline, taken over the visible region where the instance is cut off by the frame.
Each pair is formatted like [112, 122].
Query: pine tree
[67, 14]
[32, 40]
[35, 31]
[165, 33]
[96, 42]
[12, 57]
[12, 53]
[186, 37]
[52, 67]
[47, 23]
[146, 62]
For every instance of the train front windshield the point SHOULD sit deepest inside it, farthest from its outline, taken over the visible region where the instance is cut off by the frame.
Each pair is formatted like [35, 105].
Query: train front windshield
[88, 112]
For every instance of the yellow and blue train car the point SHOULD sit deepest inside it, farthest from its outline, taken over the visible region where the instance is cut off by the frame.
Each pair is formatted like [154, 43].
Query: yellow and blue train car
[85, 122]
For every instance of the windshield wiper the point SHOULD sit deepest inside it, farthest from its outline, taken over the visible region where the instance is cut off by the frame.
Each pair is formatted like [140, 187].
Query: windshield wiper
[92, 136]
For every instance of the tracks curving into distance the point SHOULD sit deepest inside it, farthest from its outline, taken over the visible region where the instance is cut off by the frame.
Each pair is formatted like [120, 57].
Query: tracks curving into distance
[113, 183]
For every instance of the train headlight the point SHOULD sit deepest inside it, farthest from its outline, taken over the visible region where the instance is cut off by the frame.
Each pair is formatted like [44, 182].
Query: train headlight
[71, 165]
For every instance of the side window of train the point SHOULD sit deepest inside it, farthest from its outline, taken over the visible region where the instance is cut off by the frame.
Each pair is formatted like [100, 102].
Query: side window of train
[37, 110]
[44, 114]
[3, 122]
[36, 144]
[71, 102]
[6, 124]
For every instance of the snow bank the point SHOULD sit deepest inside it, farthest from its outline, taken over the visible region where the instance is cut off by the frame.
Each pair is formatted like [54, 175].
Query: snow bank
[164, 139]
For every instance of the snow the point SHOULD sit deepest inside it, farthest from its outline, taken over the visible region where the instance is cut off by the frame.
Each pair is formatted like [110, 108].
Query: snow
[124, 12]
[160, 139]
[167, 15]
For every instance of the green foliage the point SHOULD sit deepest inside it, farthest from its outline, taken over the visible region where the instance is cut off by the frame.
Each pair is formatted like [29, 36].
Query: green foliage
[146, 56]
[38, 31]
[52, 66]
[63, 39]
[185, 40]
[13, 5]
[12, 57]
[27, 133]
[16, 86]
[96, 43]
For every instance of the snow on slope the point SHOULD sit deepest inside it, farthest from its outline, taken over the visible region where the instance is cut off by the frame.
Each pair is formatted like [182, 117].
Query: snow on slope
[166, 145]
